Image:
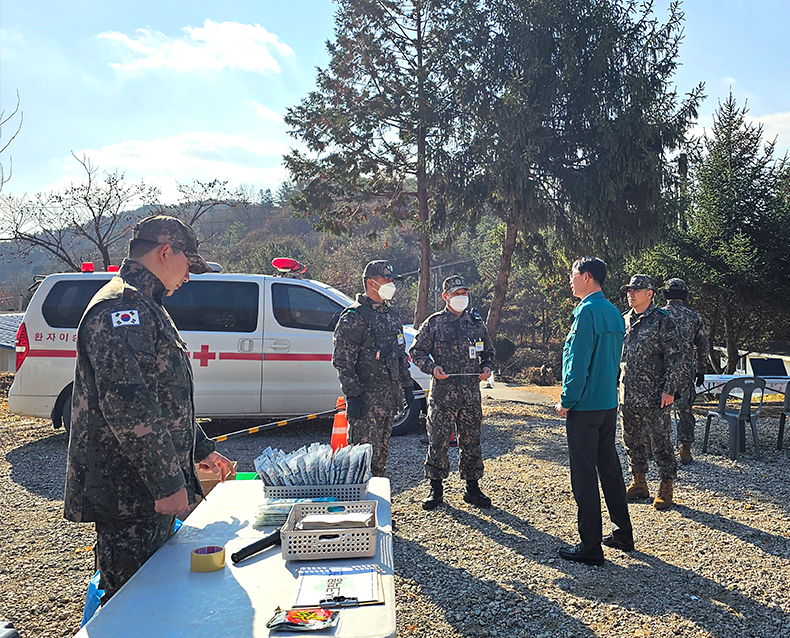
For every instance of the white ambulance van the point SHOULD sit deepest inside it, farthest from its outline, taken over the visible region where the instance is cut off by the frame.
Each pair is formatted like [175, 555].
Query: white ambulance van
[260, 345]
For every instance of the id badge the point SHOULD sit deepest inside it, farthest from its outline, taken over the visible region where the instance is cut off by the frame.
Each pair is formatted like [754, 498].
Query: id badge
[479, 346]
[401, 340]
[472, 352]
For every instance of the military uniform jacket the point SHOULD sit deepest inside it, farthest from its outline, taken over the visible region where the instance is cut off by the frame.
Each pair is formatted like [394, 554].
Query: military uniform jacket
[134, 438]
[370, 352]
[692, 328]
[651, 362]
[448, 340]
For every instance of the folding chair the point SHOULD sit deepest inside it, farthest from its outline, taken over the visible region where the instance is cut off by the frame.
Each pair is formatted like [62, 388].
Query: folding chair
[783, 417]
[737, 418]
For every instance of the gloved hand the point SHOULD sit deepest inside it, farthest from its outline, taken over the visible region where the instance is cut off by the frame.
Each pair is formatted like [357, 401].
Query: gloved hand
[699, 379]
[354, 407]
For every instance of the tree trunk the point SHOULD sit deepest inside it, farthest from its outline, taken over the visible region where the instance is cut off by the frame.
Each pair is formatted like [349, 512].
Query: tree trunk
[732, 345]
[424, 282]
[503, 275]
[105, 257]
[713, 335]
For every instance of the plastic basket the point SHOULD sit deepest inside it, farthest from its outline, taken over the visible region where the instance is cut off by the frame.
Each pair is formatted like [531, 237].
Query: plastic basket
[349, 492]
[359, 542]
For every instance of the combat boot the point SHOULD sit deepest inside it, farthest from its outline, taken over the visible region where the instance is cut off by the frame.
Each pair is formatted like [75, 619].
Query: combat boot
[435, 496]
[685, 452]
[638, 488]
[474, 496]
[665, 492]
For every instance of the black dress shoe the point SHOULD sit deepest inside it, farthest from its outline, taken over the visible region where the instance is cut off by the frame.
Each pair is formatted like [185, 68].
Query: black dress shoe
[618, 543]
[579, 555]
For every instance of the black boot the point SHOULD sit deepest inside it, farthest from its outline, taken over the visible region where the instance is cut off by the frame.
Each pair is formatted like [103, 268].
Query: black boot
[474, 496]
[435, 496]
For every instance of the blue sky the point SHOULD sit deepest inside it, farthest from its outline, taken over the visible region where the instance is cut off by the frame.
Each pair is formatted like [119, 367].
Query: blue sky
[183, 90]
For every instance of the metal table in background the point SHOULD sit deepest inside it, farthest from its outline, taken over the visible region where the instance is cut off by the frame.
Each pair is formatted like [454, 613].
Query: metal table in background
[715, 382]
[165, 599]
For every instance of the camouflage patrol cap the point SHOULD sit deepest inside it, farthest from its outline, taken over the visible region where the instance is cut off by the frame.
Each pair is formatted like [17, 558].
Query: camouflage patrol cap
[161, 229]
[379, 268]
[453, 283]
[639, 282]
[675, 284]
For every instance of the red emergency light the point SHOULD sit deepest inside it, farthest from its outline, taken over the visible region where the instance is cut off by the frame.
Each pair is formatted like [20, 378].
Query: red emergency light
[288, 265]
[87, 266]
[113, 268]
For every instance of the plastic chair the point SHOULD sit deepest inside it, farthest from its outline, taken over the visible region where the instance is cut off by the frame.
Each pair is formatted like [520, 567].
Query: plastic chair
[737, 418]
[783, 417]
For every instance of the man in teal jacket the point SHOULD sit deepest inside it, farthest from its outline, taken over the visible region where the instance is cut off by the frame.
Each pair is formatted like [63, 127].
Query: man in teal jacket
[590, 364]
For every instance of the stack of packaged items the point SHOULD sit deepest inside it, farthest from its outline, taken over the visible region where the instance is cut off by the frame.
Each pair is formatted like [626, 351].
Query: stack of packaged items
[315, 465]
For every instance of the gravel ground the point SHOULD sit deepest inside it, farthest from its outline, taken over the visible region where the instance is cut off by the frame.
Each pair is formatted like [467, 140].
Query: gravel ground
[715, 565]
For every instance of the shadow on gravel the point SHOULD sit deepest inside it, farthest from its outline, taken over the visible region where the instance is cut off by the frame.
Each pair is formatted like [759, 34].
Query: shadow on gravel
[778, 546]
[662, 588]
[743, 481]
[467, 600]
[40, 466]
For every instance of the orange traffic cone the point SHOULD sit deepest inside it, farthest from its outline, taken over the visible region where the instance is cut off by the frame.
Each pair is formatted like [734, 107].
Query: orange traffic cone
[339, 426]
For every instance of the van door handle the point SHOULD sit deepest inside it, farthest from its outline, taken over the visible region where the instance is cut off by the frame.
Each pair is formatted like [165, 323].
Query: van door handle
[282, 345]
[246, 345]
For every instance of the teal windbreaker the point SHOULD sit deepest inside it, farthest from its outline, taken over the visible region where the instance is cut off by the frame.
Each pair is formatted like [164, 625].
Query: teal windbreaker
[591, 356]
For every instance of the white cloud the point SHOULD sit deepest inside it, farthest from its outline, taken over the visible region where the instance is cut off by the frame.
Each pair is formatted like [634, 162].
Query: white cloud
[194, 155]
[215, 46]
[264, 112]
[775, 125]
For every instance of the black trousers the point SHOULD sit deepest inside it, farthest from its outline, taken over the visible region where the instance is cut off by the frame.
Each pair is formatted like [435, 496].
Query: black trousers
[592, 456]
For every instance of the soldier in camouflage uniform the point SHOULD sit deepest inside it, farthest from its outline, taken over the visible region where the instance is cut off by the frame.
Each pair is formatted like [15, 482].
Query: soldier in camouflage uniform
[454, 347]
[134, 440]
[651, 372]
[370, 357]
[692, 328]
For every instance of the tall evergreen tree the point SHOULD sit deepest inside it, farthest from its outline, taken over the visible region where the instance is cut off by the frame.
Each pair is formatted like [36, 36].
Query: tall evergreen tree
[734, 254]
[375, 122]
[568, 113]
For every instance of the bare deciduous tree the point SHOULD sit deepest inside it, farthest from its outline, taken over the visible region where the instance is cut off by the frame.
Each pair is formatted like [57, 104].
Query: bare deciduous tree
[3, 121]
[87, 221]
[198, 198]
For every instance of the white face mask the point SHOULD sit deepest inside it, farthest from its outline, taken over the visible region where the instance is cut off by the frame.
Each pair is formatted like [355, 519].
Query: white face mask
[387, 291]
[459, 303]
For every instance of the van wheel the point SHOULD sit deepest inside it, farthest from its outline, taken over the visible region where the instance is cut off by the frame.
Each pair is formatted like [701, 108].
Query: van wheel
[61, 413]
[408, 417]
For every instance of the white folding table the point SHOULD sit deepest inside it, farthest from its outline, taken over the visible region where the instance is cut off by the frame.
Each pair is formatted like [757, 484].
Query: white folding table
[165, 599]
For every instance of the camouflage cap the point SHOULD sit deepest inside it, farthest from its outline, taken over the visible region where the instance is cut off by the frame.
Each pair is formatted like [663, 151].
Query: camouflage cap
[453, 283]
[161, 229]
[639, 282]
[379, 268]
[675, 284]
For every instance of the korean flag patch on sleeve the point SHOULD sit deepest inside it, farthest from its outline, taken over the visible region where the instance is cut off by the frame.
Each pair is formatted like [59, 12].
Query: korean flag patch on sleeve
[125, 318]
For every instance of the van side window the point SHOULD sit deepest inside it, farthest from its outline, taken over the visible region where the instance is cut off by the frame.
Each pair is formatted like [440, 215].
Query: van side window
[67, 300]
[301, 307]
[215, 306]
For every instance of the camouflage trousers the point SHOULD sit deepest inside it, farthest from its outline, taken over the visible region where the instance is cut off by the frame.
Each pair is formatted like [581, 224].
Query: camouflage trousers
[375, 427]
[465, 415]
[683, 404]
[123, 546]
[645, 429]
